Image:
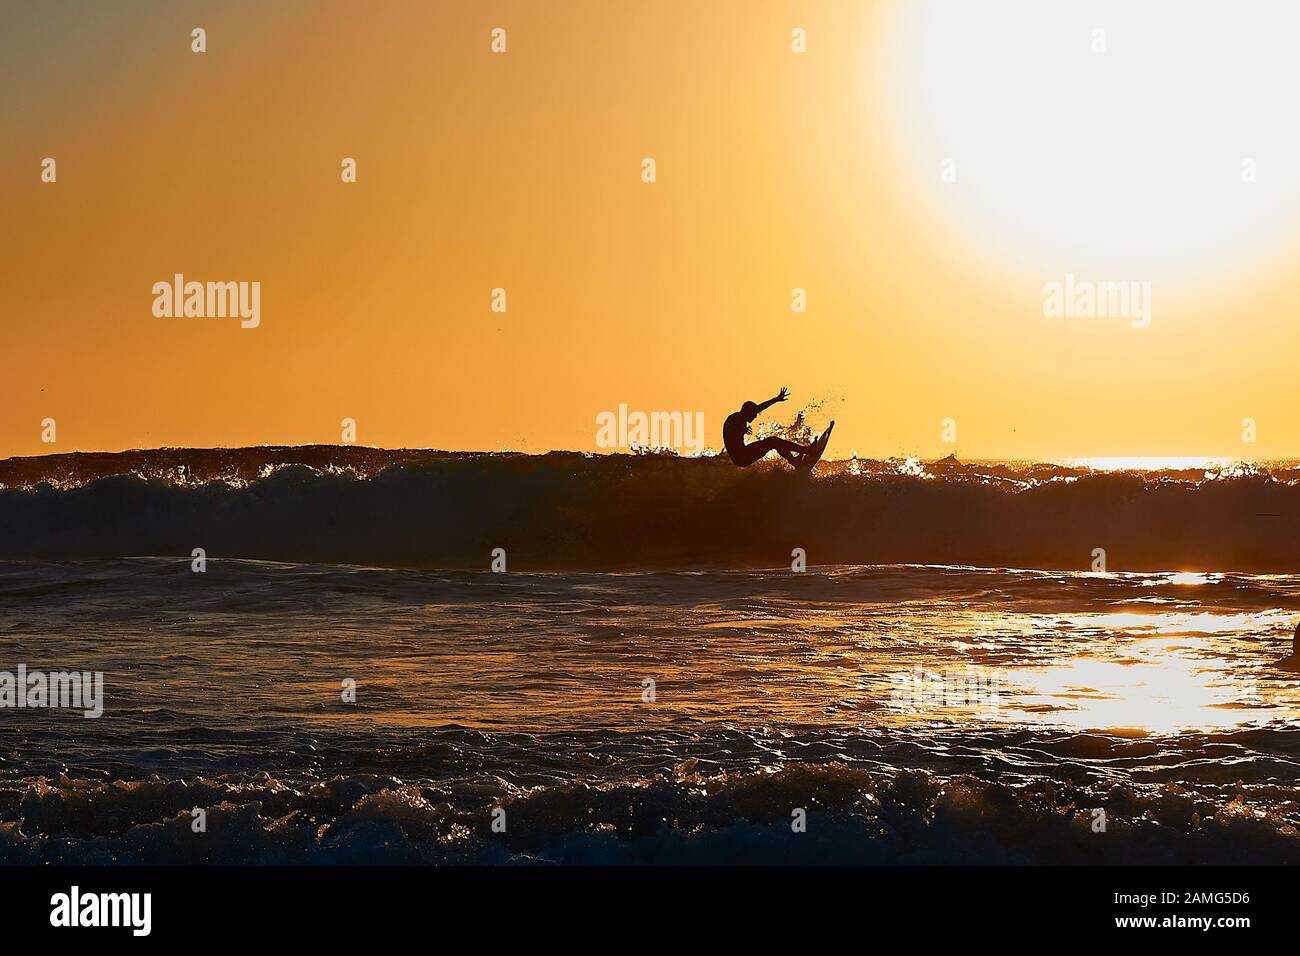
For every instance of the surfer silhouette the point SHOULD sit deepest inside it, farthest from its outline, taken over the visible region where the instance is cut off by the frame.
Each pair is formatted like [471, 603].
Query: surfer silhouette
[1291, 663]
[736, 427]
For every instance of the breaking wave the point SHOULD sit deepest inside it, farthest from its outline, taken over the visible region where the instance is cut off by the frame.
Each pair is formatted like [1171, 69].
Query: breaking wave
[569, 510]
[686, 813]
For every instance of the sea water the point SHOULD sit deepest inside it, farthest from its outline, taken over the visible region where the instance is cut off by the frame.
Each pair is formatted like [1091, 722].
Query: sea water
[844, 714]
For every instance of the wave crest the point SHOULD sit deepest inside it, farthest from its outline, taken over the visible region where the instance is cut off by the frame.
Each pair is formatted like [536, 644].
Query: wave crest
[568, 510]
[853, 816]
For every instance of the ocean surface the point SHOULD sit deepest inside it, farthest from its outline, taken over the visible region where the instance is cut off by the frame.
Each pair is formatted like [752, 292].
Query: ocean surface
[346, 712]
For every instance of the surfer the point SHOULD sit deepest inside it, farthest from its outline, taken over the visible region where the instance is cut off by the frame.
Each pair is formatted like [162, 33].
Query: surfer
[736, 427]
[1291, 663]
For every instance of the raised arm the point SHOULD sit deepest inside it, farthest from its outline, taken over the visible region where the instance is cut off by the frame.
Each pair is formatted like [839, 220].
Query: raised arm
[780, 396]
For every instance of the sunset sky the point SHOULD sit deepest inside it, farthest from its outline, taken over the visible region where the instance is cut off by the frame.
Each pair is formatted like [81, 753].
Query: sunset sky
[1162, 149]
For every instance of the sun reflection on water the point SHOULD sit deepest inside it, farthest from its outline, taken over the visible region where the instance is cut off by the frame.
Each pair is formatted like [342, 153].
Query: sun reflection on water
[1139, 624]
[1128, 672]
[1160, 686]
[1188, 578]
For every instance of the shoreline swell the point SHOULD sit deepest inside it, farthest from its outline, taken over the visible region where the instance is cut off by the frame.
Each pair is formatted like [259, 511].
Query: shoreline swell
[866, 800]
[567, 511]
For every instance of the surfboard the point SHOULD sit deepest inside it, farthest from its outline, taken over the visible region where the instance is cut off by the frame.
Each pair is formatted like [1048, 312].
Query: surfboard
[807, 462]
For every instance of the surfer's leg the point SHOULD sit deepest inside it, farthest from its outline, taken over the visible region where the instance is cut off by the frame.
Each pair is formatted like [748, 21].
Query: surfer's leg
[755, 450]
[748, 454]
[782, 446]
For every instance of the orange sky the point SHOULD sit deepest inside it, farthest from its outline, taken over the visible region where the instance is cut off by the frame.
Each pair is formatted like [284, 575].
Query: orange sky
[522, 170]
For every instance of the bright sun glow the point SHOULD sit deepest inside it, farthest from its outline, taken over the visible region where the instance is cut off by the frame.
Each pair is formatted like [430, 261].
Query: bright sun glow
[1111, 140]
